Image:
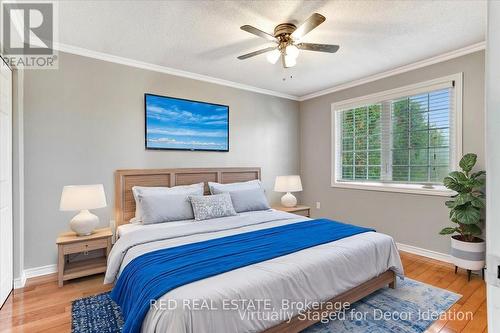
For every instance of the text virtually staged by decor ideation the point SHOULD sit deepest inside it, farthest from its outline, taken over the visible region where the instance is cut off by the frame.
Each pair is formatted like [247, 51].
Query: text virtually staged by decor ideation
[335, 311]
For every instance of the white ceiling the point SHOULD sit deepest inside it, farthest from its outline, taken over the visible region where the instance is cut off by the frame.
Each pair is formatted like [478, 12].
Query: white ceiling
[203, 37]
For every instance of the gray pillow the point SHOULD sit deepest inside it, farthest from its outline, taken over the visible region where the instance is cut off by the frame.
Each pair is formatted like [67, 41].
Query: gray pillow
[216, 188]
[194, 189]
[246, 196]
[160, 207]
[211, 206]
[249, 200]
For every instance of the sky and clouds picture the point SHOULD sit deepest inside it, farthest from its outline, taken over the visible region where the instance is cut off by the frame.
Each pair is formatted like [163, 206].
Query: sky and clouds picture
[173, 123]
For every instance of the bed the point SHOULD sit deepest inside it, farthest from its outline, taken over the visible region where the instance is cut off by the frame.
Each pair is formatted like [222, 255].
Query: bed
[345, 270]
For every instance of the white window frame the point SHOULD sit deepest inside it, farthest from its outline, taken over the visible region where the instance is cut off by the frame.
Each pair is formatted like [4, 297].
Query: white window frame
[410, 90]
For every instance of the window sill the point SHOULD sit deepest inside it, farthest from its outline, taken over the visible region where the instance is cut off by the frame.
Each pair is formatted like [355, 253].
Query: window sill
[398, 188]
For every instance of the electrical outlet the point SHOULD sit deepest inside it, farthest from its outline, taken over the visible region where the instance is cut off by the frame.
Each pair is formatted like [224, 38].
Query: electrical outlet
[318, 205]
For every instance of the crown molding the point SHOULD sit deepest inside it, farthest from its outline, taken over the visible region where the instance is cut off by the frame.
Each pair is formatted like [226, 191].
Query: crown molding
[166, 70]
[399, 70]
[200, 77]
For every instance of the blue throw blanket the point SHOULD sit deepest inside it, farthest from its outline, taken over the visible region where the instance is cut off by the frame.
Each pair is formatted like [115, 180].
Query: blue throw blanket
[153, 274]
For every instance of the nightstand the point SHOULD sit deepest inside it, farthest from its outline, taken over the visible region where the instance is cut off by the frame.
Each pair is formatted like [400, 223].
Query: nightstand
[69, 243]
[299, 210]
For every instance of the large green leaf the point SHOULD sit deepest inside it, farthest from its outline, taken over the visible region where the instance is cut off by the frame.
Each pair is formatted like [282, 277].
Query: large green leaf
[458, 176]
[448, 231]
[467, 214]
[453, 184]
[478, 202]
[476, 182]
[463, 198]
[478, 174]
[468, 161]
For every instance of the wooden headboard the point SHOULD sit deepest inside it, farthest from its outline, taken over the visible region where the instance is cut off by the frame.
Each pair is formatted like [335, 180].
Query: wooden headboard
[126, 179]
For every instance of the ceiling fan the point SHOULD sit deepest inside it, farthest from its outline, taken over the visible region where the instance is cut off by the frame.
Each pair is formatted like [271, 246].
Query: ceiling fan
[287, 36]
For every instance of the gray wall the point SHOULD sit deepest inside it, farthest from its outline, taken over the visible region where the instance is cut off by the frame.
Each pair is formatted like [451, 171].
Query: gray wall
[86, 120]
[410, 219]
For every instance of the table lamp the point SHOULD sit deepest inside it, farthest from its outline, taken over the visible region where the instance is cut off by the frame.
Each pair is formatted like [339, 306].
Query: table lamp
[288, 184]
[82, 198]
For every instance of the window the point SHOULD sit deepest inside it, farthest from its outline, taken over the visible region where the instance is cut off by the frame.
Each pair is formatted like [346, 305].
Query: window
[361, 143]
[402, 140]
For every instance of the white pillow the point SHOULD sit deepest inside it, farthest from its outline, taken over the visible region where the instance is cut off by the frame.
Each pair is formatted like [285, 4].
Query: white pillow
[194, 189]
[216, 188]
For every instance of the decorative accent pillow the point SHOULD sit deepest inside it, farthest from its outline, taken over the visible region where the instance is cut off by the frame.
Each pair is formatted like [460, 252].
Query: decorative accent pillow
[161, 206]
[216, 188]
[194, 189]
[211, 206]
[249, 200]
[246, 196]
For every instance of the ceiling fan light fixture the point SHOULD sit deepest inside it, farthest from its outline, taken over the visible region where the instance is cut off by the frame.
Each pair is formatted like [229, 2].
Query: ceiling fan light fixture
[273, 56]
[289, 61]
[287, 41]
[292, 51]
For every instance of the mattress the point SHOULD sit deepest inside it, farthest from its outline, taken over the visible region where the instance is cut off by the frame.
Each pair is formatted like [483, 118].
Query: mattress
[222, 303]
[163, 227]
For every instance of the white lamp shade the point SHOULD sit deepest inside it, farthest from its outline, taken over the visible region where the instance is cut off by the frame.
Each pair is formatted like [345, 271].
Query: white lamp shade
[292, 51]
[288, 184]
[79, 197]
[273, 56]
[290, 61]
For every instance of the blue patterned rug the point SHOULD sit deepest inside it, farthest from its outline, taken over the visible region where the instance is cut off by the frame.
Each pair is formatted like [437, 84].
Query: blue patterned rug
[411, 308]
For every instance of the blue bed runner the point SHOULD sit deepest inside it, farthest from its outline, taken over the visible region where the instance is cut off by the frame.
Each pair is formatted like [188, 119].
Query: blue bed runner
[153, 274]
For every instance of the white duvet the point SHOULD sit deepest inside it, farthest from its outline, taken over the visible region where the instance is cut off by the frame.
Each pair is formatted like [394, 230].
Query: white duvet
[252, 298]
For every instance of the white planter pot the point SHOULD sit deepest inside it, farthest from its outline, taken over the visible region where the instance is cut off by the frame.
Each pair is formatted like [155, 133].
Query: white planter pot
[467, 255]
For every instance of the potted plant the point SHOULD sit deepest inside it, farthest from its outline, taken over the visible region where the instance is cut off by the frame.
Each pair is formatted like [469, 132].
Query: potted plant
[466, 208]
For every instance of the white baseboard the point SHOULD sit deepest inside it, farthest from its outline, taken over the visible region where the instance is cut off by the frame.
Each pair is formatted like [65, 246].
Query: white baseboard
[34, 272]
[424, 252]
[20, 281]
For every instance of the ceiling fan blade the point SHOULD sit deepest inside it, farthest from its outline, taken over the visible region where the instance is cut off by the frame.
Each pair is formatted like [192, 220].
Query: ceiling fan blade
[257, 32]
[254, 53]
[312, 22]
[318, 47]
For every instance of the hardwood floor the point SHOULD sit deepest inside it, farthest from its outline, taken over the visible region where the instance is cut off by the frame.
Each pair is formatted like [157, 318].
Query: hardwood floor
[43, 307]
[442, 275]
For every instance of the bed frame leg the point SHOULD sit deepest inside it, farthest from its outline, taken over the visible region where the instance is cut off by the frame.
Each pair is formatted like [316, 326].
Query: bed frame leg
[393, 283]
